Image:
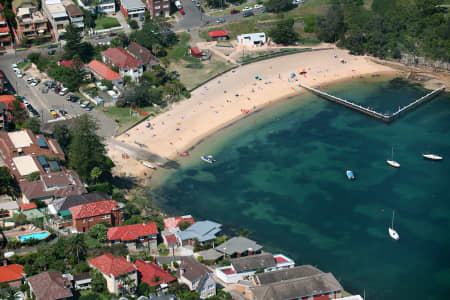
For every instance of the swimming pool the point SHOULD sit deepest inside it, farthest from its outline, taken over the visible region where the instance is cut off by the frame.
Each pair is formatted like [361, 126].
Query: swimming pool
[37, 236]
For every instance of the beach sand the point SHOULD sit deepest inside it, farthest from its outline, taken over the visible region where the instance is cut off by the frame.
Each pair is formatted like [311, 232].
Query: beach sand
[232, 95]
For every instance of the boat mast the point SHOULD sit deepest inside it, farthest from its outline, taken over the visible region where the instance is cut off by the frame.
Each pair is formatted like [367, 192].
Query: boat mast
[393, 219]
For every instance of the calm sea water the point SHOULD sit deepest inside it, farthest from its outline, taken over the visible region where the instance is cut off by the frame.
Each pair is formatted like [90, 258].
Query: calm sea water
[281, 174]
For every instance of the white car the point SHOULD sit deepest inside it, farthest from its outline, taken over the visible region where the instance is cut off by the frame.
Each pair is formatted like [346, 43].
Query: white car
[16, 69]
[246, 8]
[14, 66]
[19, 74]
[34, 83]
[256, 6]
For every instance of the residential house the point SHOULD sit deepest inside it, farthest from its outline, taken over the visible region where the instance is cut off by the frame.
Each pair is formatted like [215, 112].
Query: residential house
[197, 277]
[33, 215]
[252, 39]
[5, 34]
[102, 71]
[135, 237]
[50, 286]
[170, 239]
[153, 275]
[64, 204]
[76, 15]
[209, 255]
[117, 271]
[143, 55]
[31, 23]
[28, 206]
[87, 215]
[203, 231]
[82, 281]
[57, 16]
[239, 246]
[245, 267]
[132, 9]
[51, 186]
[158, 8]
[174, 222]
[12, 275]
[127, 64]
[7, 203]
[218, 35]
[303, 282]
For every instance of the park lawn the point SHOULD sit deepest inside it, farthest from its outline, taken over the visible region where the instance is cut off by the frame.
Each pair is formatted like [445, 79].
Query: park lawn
[180, 49]
[23, 65]
[192, 77]
[106, 22]
[122, 115]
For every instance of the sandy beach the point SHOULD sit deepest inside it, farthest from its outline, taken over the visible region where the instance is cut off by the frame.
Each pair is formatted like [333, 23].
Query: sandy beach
[232, 96]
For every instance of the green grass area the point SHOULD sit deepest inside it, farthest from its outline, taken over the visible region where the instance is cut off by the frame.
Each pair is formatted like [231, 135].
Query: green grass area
[180, 50]
[229, 9]
[123, 115]
[23, 65]
[103, 22]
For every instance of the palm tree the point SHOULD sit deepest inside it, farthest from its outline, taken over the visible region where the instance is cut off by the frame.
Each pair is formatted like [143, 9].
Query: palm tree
[77, 245]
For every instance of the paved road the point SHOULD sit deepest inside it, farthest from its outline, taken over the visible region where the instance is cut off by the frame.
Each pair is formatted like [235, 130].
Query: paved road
[43, 102]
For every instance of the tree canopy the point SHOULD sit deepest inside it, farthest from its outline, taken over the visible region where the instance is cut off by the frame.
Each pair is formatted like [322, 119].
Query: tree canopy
[283, 32]
[278, 5]
[155, 31]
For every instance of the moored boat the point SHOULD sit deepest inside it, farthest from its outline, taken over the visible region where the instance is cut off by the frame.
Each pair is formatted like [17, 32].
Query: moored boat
[350, 175]
[148, 165]
[393, 163]
[208, 159]
[432, 156]
[392, 233]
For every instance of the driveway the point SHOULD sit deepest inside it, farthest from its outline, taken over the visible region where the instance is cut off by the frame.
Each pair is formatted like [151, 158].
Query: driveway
[44, 102]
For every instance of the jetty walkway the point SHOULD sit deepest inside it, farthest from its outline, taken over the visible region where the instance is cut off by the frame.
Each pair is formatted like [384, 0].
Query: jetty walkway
[372, 113]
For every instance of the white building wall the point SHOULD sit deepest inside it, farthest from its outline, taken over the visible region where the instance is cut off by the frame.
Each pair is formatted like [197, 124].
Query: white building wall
[250, 39]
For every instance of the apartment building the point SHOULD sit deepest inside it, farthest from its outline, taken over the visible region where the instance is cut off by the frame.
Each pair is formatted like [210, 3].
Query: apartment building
[31, 23]
[76, 15]
[158, 8]
[57, 16]
[5, 33]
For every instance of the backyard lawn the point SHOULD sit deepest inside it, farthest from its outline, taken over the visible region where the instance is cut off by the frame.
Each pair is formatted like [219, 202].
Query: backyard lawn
[103, 22]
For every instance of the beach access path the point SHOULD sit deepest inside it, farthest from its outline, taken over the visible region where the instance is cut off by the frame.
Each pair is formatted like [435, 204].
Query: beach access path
[235, 94]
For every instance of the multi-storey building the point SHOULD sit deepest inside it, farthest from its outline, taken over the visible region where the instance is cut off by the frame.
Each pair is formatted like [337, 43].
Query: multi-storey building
[76, 15]
[87, 215]
[57, 16]
[132, 8]
[158, 8]
[5, 33]
[31, 23]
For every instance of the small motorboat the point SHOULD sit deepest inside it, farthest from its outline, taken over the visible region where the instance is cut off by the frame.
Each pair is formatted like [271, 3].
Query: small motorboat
[350, 175]
[208, 159]
[432, 156]
[148, 165]
[184, 154]
[393, 163]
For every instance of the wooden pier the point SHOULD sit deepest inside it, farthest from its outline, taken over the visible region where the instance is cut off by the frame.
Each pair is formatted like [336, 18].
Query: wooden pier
[370, 112]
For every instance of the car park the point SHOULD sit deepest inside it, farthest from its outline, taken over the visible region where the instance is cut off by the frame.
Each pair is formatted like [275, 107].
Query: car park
[44, 90]
[62, 112]
[85, 104]
[35, 82]
[52, 46]
[248, 14]
[64, 91]
[256, 6]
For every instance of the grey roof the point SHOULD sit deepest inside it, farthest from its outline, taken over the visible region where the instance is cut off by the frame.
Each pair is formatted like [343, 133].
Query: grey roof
[210, 254]
[238, 245]
[3, 106]
[81, 276]
[192, 269]
[287, 274]
[253, 262]
[297, 288]
[203, 231]
[75, 200]
[132, 4]
[50, 286]
[167, 259]
[10, 205]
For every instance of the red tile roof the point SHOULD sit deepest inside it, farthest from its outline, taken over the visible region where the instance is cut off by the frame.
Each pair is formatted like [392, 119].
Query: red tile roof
[103, 70]
[149, 271]
[11, 273]
[93, 209]
[171, 239]
[7, 99]
[218, 33]
[195, 51]
[132, 232]
[109, 264]
[28, 206]
[66, 63]
[121, 58]
[139, 52]
[174, 222]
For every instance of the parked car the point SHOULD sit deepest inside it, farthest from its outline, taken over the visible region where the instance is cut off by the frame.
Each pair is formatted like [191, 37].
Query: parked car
[64, 91]
[51, 52]
[24, 100]
[35, 82]
[19, 74]
[30, 80]
[44, 90]
[234, 11]
[57, 89]
[53, 112]
[220, 20]
[85, 104]
[99, 37]
[14, 66]
[88, 108]
[248, 14]
[246, 8]
[112, 34]
[256, 6]
[52, 46]
[63, 112]
[182, 12]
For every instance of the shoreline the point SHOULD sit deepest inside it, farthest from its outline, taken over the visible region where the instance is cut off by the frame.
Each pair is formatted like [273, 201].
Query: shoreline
[232, 97]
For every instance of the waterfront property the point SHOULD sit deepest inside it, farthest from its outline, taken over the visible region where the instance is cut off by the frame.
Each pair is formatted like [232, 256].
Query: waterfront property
[127, 64]
[174, 222]
[303, 282]
[209, 255]
[117, 271]
[85, 216]
[143, 55]
[203, 231]
[245, 267]
[63, 204]
[50, 286]
[197, 277]
[102, 71]
[239, 246]
[153, 275]
[135, 237]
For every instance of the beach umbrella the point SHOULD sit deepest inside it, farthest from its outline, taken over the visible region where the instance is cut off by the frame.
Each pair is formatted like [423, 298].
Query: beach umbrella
[256, 76]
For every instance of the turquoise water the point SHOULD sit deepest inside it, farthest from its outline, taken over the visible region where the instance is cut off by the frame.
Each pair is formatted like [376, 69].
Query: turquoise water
[36, 236]
[280, 173]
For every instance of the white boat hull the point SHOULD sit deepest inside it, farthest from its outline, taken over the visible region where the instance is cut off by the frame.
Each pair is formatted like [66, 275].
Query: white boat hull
[432, 156]
[148, 165]
[393, 163]
[393, 234]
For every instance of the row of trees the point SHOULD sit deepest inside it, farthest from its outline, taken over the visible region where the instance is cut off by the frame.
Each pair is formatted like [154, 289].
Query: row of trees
[390, 27]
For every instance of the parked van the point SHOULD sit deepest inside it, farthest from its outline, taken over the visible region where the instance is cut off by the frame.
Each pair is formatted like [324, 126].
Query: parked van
[178, 4]
[63, 91]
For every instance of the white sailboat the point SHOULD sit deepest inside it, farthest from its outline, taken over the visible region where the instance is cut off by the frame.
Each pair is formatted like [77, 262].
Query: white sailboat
[432, 156]
[392, 233]
[392, 162]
